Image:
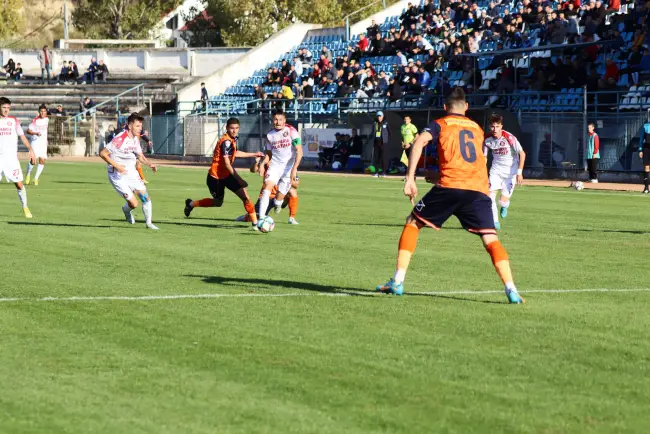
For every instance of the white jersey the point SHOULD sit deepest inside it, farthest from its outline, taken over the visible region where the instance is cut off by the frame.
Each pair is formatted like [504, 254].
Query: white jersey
[505, 154]
[124, 150]
[10, 130]
[282, 144]
[39, 125]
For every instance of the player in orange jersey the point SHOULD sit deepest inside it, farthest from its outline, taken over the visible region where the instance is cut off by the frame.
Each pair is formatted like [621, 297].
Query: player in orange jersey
[290, 199]
[461, 190]
[223, 175]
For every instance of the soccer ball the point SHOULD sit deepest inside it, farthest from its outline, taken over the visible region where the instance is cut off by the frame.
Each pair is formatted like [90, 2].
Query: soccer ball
[266, 225]
[336, 165]
[578, 185]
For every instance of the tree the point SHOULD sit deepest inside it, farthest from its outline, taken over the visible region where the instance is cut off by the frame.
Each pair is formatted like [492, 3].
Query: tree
[11, 21]
[119, 19]
[201, 30]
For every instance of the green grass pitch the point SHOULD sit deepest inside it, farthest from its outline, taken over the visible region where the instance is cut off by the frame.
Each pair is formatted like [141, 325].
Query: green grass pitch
[252, 361]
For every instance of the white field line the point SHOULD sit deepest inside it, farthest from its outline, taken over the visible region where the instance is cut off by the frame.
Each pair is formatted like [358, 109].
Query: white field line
[263, 295]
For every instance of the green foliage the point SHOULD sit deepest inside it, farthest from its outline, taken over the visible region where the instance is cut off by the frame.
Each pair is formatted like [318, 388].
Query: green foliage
[11, 21]
[119, 19]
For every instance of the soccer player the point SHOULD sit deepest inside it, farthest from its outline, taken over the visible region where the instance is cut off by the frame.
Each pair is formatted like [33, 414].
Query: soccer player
[290, 199]
[644, 154]
[508, 159]
[461, 190]
[121, 155]
[223, 175]
[38, 130]
[284, 151]
[10, 131]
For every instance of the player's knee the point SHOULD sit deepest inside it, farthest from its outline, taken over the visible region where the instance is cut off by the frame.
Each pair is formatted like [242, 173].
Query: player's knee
[412, 221]
[41, 161]
[504, 201]
[217, 202]
[144, 196]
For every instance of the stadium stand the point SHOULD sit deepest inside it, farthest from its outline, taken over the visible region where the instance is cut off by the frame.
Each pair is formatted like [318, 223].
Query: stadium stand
[516, 54]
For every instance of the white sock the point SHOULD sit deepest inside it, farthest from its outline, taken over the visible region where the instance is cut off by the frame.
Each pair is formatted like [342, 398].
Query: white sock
[495, 211]
[39, 170]
[277, 202]
[511, 286]
[30, 166]
[126, 208]
[264, 203]
[147, 210]
[400, 274]
[22, 195]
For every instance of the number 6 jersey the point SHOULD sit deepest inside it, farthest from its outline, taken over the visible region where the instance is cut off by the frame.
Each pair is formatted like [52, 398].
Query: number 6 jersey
[459, 141]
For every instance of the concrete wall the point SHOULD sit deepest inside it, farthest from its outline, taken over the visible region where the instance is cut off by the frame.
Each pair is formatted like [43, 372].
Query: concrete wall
[380, 16]
[196, 61]
[255, 59]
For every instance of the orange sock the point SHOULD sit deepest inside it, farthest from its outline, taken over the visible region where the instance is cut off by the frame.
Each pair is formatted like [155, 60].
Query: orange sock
[203, 203]
[407, 243]
[250, 209]
[293, 206]
[500, 260]
[139, 169]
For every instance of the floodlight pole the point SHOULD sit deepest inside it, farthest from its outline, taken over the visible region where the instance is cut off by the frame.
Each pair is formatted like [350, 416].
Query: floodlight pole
[65, 20]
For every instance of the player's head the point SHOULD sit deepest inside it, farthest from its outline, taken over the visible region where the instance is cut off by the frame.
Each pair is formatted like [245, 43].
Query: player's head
[232, 127]
[456, 102]
[134, 124]
[279, 119]
[591, 126]
[496, 124]
[42, 111]
[5, 106]
[407, 120]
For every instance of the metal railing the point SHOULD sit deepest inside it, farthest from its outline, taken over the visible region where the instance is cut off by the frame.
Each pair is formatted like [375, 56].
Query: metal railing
[358, 11]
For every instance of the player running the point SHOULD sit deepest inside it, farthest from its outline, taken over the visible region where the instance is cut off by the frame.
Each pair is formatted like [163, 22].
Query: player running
[290, 199]
[223, 175]
[644, 154]
[38, 130]
[508, 159]
[10, 131]
[121, 155]
[462, 190]
[284, 151]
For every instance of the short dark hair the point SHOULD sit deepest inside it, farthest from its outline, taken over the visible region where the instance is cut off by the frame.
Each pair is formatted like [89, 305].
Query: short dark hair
[203, 84]
[134, 117]
[456, 97]
[496, 118]
[4, 100]
[592, 123]
[41, 107]
[232, 121]
[279, 113]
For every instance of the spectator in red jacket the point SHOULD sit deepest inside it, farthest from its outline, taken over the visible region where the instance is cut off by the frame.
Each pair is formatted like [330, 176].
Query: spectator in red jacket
[611, 71]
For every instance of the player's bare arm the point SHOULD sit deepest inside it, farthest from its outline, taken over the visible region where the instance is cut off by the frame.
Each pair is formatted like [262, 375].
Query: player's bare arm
[33, 133]
[520, 170]
[294, 170]
[142, 159]
[410, 188]
[264, 162]
[241, 154]
[105, 155]
[32, 157]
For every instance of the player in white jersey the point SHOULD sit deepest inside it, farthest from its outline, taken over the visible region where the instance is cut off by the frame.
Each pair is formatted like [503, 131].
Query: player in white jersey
[10, 132]
[508, 159]
[121, 155]
[38, 130]
[284, 151]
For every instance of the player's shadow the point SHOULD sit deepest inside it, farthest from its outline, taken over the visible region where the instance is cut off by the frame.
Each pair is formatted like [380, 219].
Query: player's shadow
[78, 182]
[305, 286]
[615, 231]
[196, 225]
[456, 298]
[64, 225]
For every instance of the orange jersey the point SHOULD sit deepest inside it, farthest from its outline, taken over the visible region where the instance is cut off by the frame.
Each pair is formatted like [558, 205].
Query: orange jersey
[462, 164]
[226, 149]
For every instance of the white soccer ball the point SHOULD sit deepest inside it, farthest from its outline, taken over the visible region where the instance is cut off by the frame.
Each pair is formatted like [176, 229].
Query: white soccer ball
[266, 225]
[336, 165]
[579, 185]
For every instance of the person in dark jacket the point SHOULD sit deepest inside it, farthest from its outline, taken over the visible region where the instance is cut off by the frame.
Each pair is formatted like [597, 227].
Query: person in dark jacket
[102, 72]
[381, 135]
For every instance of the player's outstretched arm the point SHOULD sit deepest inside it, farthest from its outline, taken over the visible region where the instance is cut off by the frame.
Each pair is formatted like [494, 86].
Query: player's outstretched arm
[32, 157]
[105, 155]
[142, 159]
[264, 162]
[241, 154]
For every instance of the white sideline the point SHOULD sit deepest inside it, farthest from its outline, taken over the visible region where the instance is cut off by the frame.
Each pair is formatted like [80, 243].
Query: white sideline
[296, 294]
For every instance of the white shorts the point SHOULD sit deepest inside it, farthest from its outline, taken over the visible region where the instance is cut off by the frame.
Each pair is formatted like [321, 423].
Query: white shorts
[504, 183]
[40, 151]
[11, 170]
[126, 186]
[281, 176]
